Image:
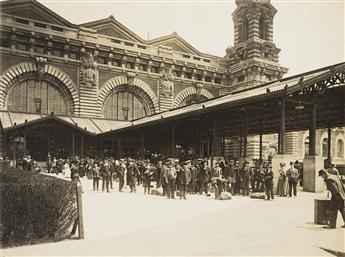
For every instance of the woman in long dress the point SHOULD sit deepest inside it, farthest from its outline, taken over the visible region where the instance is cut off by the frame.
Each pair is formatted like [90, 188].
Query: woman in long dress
[66, 170]
[282, 187]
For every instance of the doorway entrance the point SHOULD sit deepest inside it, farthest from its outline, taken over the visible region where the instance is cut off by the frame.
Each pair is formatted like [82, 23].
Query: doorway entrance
[205, 149]
[37, 147]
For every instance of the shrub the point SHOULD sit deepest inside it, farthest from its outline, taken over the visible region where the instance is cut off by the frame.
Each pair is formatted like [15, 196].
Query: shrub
[34, 207]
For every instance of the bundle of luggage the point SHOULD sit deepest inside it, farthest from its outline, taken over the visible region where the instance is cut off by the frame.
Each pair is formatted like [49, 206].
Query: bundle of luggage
[225, 196]
[156, 192]
[258, 195]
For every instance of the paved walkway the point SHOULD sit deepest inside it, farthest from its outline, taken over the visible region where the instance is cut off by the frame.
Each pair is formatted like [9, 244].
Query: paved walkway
[137, 224]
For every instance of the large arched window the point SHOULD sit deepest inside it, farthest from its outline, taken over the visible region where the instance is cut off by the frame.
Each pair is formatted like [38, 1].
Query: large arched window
[325, 147]
[245, 29]
[124, 105]
[36, 97]
[263, 28]
[340, 148]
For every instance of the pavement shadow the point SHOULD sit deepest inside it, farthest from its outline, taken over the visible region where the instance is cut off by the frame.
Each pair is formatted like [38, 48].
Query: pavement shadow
[313, 226]
[333, 252]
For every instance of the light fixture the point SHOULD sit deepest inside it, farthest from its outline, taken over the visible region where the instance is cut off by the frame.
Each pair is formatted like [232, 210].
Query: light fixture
[299, 106]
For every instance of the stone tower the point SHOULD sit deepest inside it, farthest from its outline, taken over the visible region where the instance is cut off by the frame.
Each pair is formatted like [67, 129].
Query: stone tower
[253, 60]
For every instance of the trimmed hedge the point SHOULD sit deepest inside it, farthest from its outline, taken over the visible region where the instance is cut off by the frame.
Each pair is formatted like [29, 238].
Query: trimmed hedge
[34, 208]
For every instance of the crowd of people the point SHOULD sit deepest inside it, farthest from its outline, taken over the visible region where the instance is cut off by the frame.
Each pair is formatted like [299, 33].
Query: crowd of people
[190, 176]
[25, 163]
[179, 177]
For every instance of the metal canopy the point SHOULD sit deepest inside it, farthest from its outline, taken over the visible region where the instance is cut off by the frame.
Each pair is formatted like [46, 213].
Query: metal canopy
[260, 107]
[92, 126]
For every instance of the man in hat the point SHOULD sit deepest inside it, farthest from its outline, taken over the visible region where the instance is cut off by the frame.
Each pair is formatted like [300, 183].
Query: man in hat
[292, 175]
[105, 173]
[132, 174]
[164, 177]
[121, 173]
[245, 178]
[231, 176]
[194, 174]
[147, 176]
[172, 174]
[178, 175]
[159, 173]
[337, 189]
[217, 180]
[204, 177]
[269, 182]
[237, 170]
[333, 170]
[185, 178]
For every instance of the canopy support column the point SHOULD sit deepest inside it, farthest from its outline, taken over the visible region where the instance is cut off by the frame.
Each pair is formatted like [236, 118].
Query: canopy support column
[82, 146]
[260, 154]
[282, 127]
[73, 145]
[312, 163]
[142, 143]
[329, 146]
[260, 141]
[312, 131]
[245, 137]
[173, 144]
[25, 145]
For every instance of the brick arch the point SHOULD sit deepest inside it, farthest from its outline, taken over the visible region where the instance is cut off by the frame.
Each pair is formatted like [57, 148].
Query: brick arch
[190, 91]
[11, 75]
[324, 135]
[305, 135]
[137, 86]
[337, 139]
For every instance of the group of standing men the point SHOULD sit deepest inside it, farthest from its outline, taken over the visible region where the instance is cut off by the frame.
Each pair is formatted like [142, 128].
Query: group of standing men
[188, 176]
[173, 175]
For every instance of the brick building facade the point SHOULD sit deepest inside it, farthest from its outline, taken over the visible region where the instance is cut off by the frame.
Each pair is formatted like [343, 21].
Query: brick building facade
[99, 75]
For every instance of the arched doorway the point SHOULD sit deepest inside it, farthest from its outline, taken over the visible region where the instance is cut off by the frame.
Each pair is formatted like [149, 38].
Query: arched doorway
[324, 146]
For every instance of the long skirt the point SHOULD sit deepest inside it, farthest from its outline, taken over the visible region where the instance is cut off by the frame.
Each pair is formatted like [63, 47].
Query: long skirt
[282, 187]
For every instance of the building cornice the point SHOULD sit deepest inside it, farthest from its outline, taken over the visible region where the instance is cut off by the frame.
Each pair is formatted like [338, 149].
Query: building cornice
[107, 67]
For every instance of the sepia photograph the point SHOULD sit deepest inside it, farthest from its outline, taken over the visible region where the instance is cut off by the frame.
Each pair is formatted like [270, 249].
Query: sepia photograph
[172, 128]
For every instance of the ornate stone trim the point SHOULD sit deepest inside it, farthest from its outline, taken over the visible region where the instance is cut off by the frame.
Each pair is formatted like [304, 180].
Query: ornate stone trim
[118, 81]
[8, 78]
[190, 91]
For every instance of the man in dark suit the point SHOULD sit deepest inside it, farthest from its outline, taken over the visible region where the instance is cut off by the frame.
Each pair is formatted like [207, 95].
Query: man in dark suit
[121, 173]
[164, 178]
[244, 175]
[172, 174]
[237, 178]
[132, 174]
[147, 176]
[217, 180]
[337, 189]
[204, 177]
[184, 179]
[193, 182]
[105, 173]
[269, 182]
[292, 175]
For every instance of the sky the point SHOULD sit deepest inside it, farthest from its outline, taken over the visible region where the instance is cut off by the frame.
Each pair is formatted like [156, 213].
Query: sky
[309, 33]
